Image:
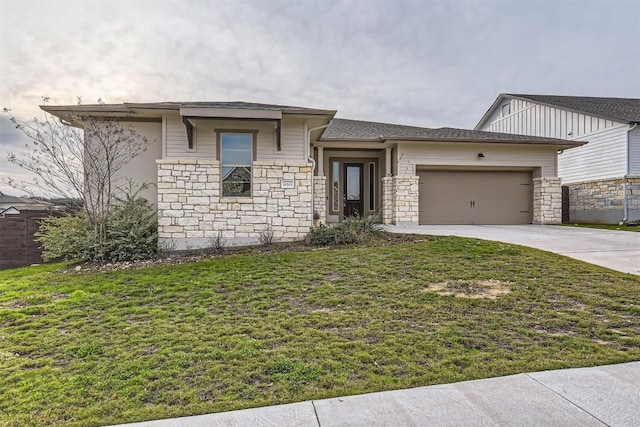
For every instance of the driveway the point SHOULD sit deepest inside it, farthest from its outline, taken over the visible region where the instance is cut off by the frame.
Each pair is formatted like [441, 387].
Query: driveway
[617, 250]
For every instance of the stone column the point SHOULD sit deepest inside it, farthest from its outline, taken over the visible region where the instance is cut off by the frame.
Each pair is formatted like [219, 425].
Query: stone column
[547, 201]
[406, 200]
[388, 200]
[400, 194]
[319, 200]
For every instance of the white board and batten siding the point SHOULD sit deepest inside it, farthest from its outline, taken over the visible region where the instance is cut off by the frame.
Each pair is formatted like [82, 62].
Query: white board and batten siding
[634, 152]
[605, 155]
[529, 118]
[205, 145]
[540, 159]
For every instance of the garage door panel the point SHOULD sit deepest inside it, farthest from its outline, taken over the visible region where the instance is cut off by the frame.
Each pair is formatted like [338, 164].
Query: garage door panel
[475, 197]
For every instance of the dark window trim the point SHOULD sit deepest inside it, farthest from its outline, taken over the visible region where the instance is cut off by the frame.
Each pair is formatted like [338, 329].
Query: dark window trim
[254, 140]
[365, 176]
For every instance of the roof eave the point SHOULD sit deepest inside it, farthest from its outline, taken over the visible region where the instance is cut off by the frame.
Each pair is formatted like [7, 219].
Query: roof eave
[556, 143]
[487, 114]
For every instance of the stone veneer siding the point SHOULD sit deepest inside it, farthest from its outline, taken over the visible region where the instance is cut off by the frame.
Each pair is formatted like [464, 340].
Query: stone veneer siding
[191, 210]
[319, 200]
[547, 201]
[400, 200]
[602, 201]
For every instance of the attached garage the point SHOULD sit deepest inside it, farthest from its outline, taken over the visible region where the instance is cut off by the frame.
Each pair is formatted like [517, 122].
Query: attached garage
[475, 197]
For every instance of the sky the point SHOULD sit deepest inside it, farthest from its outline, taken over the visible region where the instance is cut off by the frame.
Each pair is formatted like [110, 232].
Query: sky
[422, 63]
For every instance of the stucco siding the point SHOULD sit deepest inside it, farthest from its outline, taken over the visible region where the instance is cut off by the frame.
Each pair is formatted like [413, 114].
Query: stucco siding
[466, 155]
[634, 152]
[529, 118]
[142, 168]
[603, 157]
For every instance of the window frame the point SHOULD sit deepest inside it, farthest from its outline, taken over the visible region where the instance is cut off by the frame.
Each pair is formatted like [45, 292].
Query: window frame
[253, 151]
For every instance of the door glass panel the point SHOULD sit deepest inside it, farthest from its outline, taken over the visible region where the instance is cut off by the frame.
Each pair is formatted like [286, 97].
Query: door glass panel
[336, 186]
[353, 183]
[372, 186]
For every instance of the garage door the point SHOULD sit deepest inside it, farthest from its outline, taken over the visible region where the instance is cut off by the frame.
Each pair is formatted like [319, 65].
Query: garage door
[475, 197]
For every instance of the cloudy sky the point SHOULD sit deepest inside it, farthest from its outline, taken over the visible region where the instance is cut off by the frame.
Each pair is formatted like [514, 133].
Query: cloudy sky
[424, 63]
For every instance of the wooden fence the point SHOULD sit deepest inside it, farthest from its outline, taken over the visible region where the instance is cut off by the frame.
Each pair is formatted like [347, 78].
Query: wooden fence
[17, 245]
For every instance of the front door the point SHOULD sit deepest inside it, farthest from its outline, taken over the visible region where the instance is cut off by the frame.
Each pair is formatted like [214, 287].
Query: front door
[353, 190]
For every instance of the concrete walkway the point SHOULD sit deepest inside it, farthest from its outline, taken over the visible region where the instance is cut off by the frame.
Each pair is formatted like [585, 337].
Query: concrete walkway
[599, 396]
[617, 250]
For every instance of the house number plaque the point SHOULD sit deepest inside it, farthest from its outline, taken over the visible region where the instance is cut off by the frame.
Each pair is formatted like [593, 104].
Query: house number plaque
[287, 183]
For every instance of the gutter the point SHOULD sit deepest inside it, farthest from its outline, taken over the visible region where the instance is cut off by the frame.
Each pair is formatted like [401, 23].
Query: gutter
[625, 199]
[307, 153]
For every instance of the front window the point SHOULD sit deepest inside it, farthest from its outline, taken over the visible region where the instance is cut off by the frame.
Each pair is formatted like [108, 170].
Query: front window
[236, 152]
[335, 186]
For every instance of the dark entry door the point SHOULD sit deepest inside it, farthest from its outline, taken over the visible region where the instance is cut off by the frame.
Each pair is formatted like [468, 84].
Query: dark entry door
[353, 186]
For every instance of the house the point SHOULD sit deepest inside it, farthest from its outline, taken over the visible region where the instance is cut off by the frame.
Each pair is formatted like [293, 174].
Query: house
[602, 177]
[22, 203]
[240, 169]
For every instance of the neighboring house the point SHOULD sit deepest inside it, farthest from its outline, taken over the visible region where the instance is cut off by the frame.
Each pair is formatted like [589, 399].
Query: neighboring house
[241, 169]
[22, 203]
[603, 177]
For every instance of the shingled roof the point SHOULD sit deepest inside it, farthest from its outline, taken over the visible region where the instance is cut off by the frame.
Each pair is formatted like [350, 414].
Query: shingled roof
[618, 109]
[358, 130]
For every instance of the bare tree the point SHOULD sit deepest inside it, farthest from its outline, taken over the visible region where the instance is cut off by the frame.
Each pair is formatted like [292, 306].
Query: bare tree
[78, 158]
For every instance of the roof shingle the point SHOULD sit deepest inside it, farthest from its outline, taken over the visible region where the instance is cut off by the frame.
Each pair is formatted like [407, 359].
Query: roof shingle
[344, 129]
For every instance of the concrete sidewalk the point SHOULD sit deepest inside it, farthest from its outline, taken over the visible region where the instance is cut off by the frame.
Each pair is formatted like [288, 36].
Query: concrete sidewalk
[599, 396]
[617, 250]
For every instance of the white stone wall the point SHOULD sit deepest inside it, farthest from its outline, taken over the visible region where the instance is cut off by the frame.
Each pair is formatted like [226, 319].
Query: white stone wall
[400, 198]
[191, 210]
[319, 200]
[547, 201]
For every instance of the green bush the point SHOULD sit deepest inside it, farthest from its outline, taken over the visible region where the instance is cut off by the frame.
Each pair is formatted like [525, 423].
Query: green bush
[350, 231]
[132, 231]
[132, 234]
[67, 237]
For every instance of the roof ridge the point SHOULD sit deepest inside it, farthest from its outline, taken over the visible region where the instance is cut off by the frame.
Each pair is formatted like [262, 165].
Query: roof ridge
[383, 123]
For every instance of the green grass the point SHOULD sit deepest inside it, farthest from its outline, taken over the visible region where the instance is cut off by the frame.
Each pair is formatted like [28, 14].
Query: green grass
[623, 227]
[248, 330]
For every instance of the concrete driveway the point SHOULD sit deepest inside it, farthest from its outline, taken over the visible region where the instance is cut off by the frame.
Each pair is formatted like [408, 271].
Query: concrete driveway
[617, 250]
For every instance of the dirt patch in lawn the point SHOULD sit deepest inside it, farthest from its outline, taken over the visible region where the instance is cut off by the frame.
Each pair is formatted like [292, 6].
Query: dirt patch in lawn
[490, 289]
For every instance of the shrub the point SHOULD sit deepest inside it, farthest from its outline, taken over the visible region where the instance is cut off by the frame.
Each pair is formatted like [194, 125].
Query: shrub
[67, 237]
[132, 234]
[350, 231]
[132, 231]
[266, 237]
[217, 242]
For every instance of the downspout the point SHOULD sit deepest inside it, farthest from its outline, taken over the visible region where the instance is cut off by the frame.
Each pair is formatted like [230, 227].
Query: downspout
[626, 176]
[307, 153]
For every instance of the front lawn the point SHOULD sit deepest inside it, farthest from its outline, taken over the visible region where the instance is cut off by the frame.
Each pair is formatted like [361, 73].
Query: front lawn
[247, 330]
